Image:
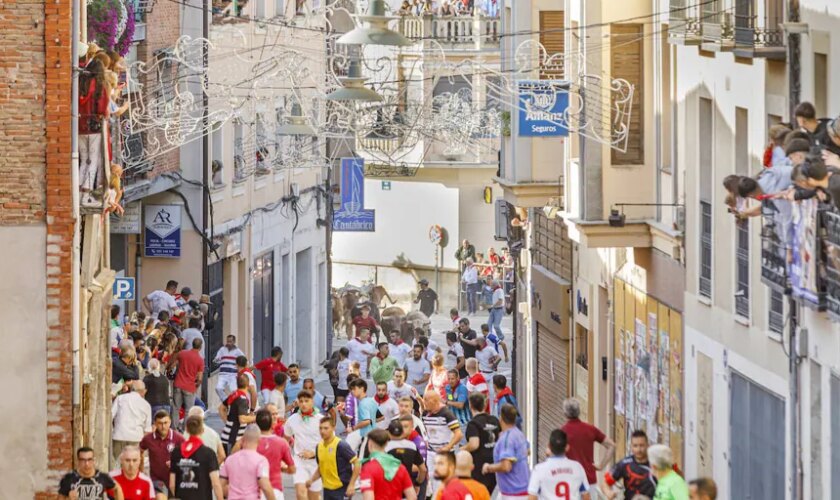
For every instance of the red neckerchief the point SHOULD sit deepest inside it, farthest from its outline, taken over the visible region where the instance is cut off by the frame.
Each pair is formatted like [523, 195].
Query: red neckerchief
[239, 393]
[190, 446]
[399, 341]
[306, 415]
[380, 356]
[414, 435]
[457, 383]
[380, 401]
[504, 392]
[247, 370]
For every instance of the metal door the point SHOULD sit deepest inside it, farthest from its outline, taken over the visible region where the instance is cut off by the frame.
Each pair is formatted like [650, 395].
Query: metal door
[552, 382]
[263, 306]
[215, 335]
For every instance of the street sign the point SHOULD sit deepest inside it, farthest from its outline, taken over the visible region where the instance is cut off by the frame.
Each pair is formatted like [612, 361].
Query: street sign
[163, 230]
[130, 222]
[352, 216]
[124, 289]
[542, 108]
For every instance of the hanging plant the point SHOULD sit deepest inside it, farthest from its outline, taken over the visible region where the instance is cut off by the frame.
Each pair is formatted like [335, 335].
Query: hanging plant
[110, 24]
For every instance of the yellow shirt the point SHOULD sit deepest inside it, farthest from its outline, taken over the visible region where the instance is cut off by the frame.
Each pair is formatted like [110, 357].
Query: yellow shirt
[335, 461]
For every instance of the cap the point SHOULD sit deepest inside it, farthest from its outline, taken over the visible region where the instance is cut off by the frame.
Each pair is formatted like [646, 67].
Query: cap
[395, 428]
[186, 291]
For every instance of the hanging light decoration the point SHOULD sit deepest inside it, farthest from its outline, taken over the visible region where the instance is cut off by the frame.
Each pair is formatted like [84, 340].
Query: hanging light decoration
[376, 31]
[296, 123]
[353, 86]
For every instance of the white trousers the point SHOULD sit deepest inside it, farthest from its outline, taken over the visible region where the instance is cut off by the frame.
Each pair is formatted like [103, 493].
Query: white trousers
[225, 385]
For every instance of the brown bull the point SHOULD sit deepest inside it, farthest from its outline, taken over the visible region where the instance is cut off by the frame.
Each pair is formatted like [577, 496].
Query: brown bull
[378, 293]
[338, 313]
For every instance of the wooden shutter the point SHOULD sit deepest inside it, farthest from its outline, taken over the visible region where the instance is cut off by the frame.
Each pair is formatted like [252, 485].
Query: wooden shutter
[552, 37]
[627, 63]
[552, 382]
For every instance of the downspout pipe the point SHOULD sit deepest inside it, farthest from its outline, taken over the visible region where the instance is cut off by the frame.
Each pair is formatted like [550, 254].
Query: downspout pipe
[75, 32]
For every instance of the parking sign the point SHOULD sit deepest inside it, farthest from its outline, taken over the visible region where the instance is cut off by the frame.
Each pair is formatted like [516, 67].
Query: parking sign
[124, 289]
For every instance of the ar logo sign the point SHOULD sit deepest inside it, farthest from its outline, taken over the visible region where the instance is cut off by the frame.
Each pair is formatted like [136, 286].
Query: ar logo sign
[162, 217]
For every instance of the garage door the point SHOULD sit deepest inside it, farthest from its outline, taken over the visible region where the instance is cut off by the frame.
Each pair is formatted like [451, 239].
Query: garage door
[552, 382]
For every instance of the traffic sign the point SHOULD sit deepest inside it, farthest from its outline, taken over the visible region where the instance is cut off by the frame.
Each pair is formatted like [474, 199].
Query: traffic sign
[124, 289]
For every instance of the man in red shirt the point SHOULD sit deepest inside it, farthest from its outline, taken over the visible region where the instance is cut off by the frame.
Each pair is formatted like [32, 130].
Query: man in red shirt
[275, 449]
[187, 379]
[160, 443]
[582, 438]
[365, 320]
[383, 476]
[268, 367]
[451, 488]
[134, 484]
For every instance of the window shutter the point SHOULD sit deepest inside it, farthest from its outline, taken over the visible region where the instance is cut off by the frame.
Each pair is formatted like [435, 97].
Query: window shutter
[627, 63]
[552, 37]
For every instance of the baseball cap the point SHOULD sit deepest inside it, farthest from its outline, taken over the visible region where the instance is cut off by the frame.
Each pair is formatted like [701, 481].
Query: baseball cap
[186, 291]
[395, 428]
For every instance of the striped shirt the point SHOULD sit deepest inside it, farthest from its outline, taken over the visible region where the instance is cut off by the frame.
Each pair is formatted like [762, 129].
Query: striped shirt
[440, 427]
[226, 358]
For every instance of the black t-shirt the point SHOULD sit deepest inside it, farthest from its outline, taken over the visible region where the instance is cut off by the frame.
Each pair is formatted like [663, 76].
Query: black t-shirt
[427, 300]
[192, 474]
[469, 350]
[636, 477]
[409, 457]
[233, 429]
[486, 428]
[98, 487]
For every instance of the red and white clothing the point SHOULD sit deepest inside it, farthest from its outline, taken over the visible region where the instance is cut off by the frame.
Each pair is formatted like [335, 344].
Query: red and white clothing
[139, 488]
[359, 352]
[277, 451]
[477, 383]
[400, 352]
[226, 359]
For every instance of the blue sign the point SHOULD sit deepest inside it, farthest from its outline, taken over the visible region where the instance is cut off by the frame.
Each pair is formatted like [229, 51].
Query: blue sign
[124, 289]
[163, 230]
[542, 108]
[352, 216]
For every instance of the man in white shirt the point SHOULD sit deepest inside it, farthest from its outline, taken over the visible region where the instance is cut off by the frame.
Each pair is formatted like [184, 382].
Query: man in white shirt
[488, 359]
[418, 370]
[132, 416]
[304, 427]
[388, 406]
[192, 333]
[557, 476]
[398, 389]
[497, 309]
[162, 300]
[226, 360]
[361, 350]
[398, 348]
[470, 280]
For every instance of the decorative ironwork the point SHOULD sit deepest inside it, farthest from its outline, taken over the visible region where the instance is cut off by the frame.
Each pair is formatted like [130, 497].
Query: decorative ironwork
[382, 170]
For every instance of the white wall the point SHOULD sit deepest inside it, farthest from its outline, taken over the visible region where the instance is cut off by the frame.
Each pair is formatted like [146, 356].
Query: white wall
[23, 311]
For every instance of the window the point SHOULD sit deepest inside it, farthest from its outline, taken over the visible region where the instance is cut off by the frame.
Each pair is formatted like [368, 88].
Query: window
[217, 168]
[705, 168]
[756, 454]
[263, 154]
[239, 164]
[552, 247]
[742, 266]
[627, 63]
[552, 37]
[742, 141]
[706, 249]
[821, 84]
[776, 313]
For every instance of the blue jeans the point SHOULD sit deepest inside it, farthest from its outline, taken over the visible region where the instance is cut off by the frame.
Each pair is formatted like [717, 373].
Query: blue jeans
[495, 320]
[472, 288]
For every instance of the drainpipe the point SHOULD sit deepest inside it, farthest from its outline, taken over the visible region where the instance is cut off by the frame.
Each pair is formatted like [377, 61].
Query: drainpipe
[74, 190]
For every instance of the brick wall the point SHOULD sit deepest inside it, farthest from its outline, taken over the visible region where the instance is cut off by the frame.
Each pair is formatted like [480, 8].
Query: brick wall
[35, 187]
[22, 127]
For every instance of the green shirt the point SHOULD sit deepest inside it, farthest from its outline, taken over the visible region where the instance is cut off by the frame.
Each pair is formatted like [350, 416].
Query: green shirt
[382, 370]
[671, 487]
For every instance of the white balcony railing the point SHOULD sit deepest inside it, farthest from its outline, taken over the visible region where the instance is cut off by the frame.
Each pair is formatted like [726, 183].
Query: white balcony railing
[459, 32]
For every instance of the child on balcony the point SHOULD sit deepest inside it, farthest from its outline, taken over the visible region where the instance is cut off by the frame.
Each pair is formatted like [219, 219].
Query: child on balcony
[114, 193]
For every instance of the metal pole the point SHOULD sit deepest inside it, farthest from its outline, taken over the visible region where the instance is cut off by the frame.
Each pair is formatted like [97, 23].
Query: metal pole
[794, 89]
[77, 221]
[205, 177]
[437, 267]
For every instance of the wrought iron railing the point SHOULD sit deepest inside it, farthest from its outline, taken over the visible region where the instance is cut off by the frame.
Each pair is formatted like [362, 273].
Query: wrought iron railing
[752, 31]
[706, 249]
[830, 238]
[684, 22]
[773, 253]
[742, 269]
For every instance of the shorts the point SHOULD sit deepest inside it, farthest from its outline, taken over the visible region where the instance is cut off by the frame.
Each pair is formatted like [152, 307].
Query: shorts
[304, 470]
[278, 495]
[161, 488]
[339, 494]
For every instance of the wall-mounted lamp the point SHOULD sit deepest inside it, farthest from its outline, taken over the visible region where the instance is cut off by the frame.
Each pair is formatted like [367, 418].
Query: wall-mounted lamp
[488, 195]
[618, 219]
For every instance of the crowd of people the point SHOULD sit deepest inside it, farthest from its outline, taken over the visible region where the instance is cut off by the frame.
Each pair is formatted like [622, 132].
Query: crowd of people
[449, 8]
[799, 163]
[417, 420]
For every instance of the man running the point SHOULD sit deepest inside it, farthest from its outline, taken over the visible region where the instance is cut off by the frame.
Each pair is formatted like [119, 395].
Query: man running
[304, 427]
[338, 466]
[443, 429]
[405, 450]
[293, 386]
[235, 412]
[476, 381]
[582, 438]
[226, 360]
[245, 474]
[400, 350]
[275, 449]
[455, 355]
[558, 477]
[388, 406]
[464, 469]
[134, 484]
[510, 457]
[398, 389]
[633, 471]
[418, 370]
[159, 444]
[382, 365]
[86, 482]
[361, 350]
[268, 368]
[482, 435]
[383, 477]
[195, 468]
[456, 398]
[451, 488]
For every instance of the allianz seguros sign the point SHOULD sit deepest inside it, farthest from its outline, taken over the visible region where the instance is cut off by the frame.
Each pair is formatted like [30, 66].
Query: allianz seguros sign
[542, 108]
[163, 230]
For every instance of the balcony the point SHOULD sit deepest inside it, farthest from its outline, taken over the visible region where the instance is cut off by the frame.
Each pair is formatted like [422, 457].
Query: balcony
[830, 239]
[718, 31]
[773, 254]
[467, 33]
[759, 35]
[684, 27]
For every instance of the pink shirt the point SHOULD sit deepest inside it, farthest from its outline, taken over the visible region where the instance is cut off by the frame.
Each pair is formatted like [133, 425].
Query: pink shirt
[277, 451]
[243, 470]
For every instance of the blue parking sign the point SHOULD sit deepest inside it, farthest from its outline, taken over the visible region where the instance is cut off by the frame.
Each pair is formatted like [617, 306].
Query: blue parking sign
[124, 289]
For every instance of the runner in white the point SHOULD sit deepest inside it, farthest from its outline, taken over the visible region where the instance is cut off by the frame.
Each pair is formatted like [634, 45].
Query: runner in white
[304, 427]
[558, 477]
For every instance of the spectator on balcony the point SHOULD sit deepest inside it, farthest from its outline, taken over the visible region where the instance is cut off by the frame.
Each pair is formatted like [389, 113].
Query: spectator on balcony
[806, 119]
[446, 10]
[464, 252]
[428, 8]
[819, 176]
[774, 154]
[94, 105]
[829, 141]
[491, 8]
[405, 8]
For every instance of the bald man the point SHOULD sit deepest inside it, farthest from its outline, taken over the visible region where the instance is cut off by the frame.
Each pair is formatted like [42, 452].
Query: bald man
[443, 429]
[463, 470]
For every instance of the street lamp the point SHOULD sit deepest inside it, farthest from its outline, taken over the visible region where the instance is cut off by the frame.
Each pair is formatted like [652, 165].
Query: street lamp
[296, 123]
[353, 86]
[376, 32]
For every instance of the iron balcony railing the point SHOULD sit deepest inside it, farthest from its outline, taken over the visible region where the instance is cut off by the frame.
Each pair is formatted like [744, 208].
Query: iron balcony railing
[829, 236]
[773, 253]
[759, 36]
[684, 23]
